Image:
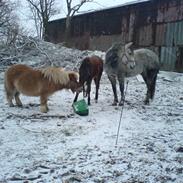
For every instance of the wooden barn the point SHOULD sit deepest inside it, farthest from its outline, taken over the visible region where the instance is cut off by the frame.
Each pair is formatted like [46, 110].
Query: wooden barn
[157, 24]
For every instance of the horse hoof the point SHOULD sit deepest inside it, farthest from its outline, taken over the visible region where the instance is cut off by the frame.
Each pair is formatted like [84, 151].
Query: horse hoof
[19, 105]
[146, 102]
[44, 109]
[114, 104]
[121, 104]
[11, 105]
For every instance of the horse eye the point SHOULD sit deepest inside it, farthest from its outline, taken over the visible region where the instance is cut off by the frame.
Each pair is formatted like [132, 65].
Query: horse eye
[129, 52]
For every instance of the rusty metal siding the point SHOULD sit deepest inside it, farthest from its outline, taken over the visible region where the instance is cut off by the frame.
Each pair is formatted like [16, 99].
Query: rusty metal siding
[169, 11]
[145, 35]
[169, 35]
[106, 23]
[124, 29]
[168, 58]
[179, 61]
[174, 34]
[160, 34]
[178, 33]
[131, 25]
[55, 31]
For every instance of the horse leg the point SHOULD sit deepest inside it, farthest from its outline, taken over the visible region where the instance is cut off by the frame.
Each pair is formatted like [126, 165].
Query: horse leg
[121, 87]
[150, 79]
[88, 90]
[112, 79]
[77, 93]
[9, 94]
[148, 84]
[153, 87]
[84, 90]
[17, 99]
[152, 75]
[97, 87]
[43, 107]
[76, 97]
[9, 99]
[97, 83]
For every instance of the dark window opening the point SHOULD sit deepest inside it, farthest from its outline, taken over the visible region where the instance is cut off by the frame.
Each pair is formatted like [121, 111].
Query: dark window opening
[179, 61]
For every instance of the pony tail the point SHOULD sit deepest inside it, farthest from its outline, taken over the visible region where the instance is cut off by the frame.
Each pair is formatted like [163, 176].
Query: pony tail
[6, 85]
[5, 81]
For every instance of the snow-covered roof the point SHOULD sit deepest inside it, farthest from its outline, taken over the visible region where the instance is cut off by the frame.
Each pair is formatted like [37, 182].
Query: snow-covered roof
[60, 16]
[124, 4]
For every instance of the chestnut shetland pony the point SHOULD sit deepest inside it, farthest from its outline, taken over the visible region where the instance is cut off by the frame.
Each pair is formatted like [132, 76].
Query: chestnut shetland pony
[91, 68]
[37, 82]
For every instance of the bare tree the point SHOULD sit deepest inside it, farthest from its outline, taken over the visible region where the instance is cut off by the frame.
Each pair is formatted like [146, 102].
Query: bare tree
[37, 21]
[5, 14]
[71, 11]
[41, 10]
[8, 23]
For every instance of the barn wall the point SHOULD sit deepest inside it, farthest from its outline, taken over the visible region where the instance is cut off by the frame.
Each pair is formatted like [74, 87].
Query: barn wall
[169, 34]
[156, 24]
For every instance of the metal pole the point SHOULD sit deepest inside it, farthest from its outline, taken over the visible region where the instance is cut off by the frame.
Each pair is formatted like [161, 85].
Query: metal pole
[121, 114]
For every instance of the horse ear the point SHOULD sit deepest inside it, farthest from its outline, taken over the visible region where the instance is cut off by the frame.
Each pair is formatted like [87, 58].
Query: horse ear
[73, 76]
[62, 69]
[128, 45]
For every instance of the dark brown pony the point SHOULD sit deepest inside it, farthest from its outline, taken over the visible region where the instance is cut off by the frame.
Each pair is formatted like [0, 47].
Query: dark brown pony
[91, 68]
[37, 82]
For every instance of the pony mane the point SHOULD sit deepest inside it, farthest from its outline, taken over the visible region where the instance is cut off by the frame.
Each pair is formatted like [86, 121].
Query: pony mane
[56, 75]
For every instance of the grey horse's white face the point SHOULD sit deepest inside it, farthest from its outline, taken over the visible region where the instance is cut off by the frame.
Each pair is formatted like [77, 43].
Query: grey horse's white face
[127, 56]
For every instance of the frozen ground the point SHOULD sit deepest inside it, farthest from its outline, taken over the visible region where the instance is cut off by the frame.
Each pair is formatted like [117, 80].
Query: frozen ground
[63, 147]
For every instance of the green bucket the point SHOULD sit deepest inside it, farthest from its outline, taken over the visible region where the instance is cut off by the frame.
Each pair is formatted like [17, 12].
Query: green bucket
[80, 107]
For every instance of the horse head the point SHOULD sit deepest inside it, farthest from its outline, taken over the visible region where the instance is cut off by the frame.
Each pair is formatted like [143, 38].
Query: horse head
[74, 85]
[127, 56]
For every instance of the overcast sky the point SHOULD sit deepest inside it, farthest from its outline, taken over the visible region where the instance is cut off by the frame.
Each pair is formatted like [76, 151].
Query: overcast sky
[24, 13]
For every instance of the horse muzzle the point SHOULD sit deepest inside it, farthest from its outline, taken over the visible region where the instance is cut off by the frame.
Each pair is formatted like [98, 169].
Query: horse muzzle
[132, 66]
[79, 89]
[85, 94]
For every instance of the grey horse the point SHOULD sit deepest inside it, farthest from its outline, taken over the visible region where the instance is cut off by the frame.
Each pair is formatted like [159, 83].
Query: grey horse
[121, 62]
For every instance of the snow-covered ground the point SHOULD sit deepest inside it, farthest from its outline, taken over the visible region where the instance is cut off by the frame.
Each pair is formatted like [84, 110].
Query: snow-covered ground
[63, 147]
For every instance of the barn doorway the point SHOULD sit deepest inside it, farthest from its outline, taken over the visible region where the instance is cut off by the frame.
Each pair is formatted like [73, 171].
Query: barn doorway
[179, 61]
